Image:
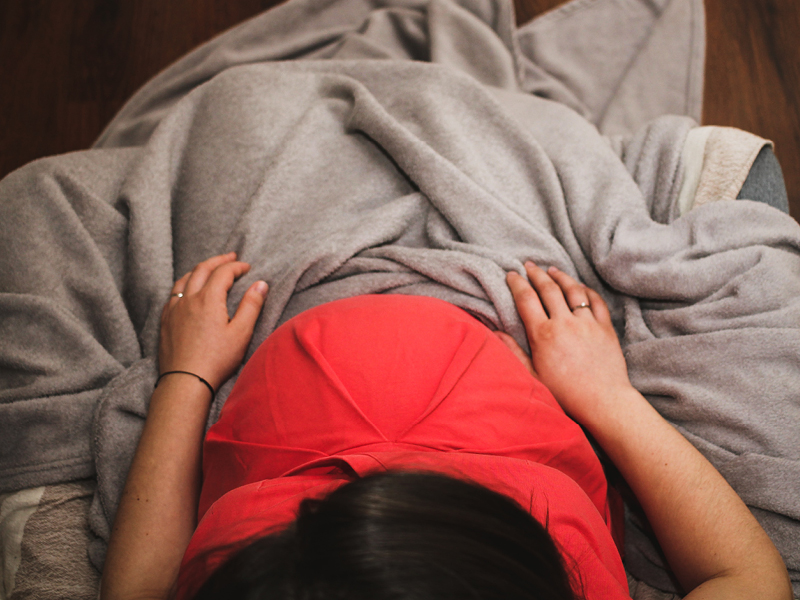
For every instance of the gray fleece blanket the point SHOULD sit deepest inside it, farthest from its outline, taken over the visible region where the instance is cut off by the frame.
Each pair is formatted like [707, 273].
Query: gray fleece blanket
[414, 147]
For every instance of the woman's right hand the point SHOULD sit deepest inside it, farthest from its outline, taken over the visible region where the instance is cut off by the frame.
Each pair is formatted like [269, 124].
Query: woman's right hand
[574, 351]
[196, 333]
[576, 354]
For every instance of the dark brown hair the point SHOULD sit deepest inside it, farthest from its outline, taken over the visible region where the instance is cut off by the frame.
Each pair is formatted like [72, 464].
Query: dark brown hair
[400, 536]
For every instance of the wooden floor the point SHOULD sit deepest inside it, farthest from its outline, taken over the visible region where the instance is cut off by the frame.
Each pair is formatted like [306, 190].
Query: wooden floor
[68, 66]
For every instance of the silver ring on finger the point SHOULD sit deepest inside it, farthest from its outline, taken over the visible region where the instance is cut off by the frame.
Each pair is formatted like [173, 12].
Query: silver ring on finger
[581, 305]
[178, 295]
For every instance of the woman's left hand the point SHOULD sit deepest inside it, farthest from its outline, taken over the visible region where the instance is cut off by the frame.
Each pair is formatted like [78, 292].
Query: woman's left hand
[196, 334]
[574, 349]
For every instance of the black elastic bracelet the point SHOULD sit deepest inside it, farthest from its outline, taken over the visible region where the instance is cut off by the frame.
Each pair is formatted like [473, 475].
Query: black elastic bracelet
[208, 385]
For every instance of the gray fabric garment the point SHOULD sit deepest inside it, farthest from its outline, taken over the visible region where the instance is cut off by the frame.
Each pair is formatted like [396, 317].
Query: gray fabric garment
[335, 176]
[765, 182]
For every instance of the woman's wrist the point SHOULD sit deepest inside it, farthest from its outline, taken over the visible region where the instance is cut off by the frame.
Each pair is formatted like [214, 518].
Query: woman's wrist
[157, 512]
[608, 407]
[184, 389]
[210, 388]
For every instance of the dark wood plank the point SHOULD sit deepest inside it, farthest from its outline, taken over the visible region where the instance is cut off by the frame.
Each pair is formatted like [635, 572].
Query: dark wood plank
[69, 66]
[753, 76]
[527, 9]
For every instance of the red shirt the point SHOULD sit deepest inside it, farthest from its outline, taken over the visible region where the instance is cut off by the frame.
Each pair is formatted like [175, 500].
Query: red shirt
[380, 382]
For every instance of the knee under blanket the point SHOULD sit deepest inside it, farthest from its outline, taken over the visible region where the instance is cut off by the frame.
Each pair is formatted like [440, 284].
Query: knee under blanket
[416, 147]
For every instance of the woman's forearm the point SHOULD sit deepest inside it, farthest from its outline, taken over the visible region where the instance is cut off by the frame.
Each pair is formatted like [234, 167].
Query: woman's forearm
[157, 511]
[713, 543]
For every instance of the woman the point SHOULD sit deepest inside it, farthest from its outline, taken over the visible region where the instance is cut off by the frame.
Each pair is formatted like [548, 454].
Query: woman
[713, 544]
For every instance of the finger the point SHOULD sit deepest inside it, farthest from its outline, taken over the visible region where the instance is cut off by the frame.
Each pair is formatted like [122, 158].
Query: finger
[201, 273]
[221, 280]
[529, 306]
[573, 291]
[549, 291]
[177, 288]
[512, 345]
[250, 307]
[599, 307]
[180, 285]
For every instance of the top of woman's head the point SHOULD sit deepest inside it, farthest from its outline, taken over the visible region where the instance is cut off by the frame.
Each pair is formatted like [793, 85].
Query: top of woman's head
[400, 536]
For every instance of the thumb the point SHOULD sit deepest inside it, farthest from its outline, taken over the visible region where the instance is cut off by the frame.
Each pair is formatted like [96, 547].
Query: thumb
[517, 350]
[250, 307]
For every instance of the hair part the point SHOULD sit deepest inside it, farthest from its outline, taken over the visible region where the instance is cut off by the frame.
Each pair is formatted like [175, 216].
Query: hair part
[400, 536]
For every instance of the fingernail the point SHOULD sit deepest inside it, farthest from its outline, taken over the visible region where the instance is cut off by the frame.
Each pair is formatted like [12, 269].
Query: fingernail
[261, 288]
[552, 270]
